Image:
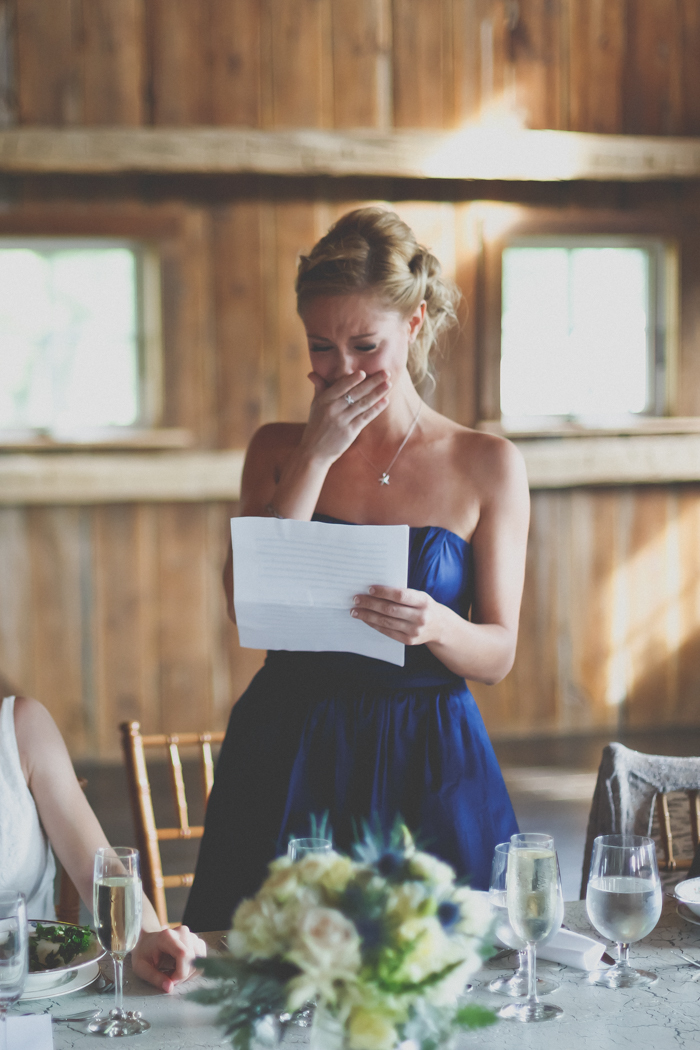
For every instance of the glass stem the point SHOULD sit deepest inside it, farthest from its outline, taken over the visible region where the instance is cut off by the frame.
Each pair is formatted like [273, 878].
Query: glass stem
[118, 984]
[532, 972]
[623, 954]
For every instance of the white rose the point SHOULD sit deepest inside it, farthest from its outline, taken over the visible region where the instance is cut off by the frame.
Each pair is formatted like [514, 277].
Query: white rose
[431, 951]
[326, 943]
[370, 1031]
[424, 866]
[407, 900]
[475, 908]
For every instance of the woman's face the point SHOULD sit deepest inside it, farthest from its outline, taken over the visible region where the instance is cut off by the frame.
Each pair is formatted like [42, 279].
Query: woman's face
[347, 333]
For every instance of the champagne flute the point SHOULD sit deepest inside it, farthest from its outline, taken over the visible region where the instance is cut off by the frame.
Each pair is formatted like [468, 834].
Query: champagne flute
[14, 951]
[623, 901]
[299, 848]
[516, 984]
[117, 907]
[532, 889]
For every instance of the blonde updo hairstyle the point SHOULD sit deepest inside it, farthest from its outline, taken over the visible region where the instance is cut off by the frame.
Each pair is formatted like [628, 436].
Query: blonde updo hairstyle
[372, 250]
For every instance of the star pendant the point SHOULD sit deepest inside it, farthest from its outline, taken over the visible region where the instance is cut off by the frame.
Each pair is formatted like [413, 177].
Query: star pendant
[384, 479]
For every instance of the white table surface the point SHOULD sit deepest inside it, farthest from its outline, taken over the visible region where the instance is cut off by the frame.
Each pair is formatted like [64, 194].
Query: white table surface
[664, 1016]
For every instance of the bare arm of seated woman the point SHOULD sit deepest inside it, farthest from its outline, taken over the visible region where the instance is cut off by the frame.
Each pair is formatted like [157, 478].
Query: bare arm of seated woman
[75, 834]
[483, 648]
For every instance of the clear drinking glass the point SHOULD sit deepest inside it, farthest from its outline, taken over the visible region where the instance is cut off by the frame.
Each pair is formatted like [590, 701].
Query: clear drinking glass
[623, 901]
[516, 984]
[299, 848]
[532, 889]
[14, 950]
[117, 907]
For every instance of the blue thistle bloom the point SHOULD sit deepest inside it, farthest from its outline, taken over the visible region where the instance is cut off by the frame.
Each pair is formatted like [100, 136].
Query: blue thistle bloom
[371, 932]
[389, 863]
[448, 914]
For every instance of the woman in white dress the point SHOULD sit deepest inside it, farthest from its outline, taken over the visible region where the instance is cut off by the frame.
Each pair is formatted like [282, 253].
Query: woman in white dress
[42, 806]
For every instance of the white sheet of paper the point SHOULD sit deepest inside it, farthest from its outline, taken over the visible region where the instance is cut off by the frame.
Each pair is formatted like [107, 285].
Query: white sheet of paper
[28, 1033]
[295, 582]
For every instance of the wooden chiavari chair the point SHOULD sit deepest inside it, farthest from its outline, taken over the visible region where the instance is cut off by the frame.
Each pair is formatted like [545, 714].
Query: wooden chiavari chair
[148, 835]
[656, 795]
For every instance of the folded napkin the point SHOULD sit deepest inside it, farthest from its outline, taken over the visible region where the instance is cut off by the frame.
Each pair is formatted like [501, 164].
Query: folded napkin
[27, 1033]
[571, 949]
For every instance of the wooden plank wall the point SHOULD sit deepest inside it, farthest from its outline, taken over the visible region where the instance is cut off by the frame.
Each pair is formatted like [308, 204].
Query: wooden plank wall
[115, 612]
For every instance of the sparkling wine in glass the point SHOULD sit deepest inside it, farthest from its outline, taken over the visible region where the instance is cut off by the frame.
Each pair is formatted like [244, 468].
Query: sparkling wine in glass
[623, 901]
[14, 951]
[532, 891]
[117, 908]
[515, 985]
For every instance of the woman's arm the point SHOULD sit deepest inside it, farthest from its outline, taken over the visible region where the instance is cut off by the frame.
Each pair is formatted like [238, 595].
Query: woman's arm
[283, 474]
[482, 649]
[75, 835]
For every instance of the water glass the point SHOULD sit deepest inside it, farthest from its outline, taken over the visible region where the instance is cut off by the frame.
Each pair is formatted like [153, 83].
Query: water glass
[533, 887]
[623, 901]
[516, 984]
[117, 908]
[14, 950]
[299, 848]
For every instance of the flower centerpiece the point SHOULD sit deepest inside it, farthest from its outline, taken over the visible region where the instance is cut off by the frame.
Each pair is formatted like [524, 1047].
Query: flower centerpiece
[383, 944]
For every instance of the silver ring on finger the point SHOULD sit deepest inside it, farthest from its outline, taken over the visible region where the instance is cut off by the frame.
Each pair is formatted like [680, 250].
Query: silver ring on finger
[350, 399]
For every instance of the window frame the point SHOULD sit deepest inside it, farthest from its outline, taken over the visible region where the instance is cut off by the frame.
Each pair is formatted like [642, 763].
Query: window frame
[550, 227]
[149, 341]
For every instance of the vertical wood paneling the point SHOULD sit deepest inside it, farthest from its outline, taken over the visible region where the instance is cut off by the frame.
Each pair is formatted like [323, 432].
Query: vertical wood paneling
[235, 55]
[114, 62]
[455, 395]
[423, 71]
[597, 52]
[125, 615]
[687, 707]
[362, 63]
[653, 86]
[533, 41]
[186, 700]
[180, 61]
[297, 230]
[188, 328]
[56, 640]
[690, 90]
[300, 56]
[16, 604]
[49, 74]
[240, 334]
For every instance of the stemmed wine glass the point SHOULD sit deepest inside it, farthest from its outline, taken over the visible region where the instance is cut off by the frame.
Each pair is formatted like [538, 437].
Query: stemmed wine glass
[516, 984]
[299, 848]
[14, 951]
[623, 901]
[532, 889]
[117, 907]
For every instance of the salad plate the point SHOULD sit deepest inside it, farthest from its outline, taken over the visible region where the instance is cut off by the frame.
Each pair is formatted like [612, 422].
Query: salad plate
[62, 958]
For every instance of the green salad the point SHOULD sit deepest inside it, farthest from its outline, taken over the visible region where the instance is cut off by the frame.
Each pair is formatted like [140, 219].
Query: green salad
[52, 945]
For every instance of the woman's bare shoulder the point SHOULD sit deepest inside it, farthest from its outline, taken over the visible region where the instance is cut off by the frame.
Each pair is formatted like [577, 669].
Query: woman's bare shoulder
[276, 437]
[487, 461]
[36, 732]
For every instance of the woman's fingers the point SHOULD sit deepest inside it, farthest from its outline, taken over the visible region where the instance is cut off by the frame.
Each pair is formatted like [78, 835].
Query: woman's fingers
[402, 614]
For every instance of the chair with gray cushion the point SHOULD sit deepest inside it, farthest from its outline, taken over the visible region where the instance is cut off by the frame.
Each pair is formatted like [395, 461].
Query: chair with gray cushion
[638, 794]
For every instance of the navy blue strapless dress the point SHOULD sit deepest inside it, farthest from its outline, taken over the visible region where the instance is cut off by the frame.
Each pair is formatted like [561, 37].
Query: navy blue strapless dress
[357, 738]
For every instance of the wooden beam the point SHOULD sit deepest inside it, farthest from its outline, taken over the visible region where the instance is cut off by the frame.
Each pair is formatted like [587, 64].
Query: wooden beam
[472, 153]
[195, 477]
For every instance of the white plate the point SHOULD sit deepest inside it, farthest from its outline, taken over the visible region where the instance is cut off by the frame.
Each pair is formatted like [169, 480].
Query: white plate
[68, 981]
[685, 913]
[44, 982]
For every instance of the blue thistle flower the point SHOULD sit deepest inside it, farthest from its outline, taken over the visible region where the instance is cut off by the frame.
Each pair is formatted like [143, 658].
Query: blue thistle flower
[448, 914]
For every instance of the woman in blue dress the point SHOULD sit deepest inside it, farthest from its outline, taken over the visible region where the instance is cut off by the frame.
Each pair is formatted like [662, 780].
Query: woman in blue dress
[336, 733]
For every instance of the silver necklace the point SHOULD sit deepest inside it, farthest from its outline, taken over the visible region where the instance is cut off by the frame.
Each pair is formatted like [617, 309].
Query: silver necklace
[384, 476]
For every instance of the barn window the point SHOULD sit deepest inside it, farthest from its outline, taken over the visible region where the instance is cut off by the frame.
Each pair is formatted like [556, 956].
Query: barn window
[78, 334]
[585, 329]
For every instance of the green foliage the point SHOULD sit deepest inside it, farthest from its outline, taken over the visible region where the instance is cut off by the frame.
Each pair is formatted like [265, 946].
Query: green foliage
[474, 1016]
[69, 940]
